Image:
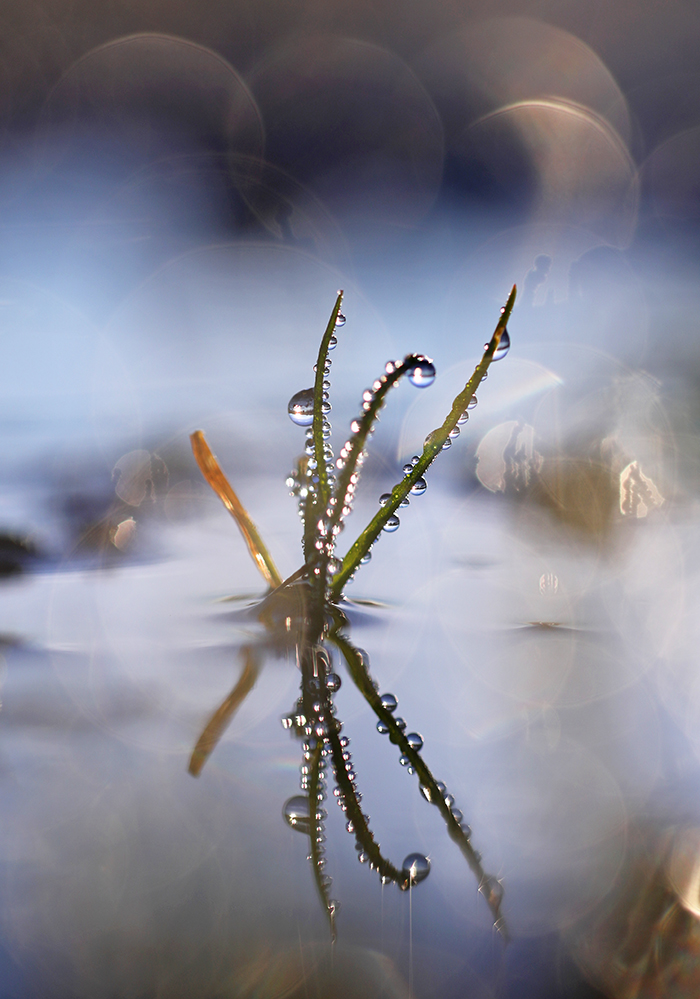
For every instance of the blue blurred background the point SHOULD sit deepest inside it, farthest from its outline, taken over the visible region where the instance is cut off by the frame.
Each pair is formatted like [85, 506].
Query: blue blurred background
[183, 189]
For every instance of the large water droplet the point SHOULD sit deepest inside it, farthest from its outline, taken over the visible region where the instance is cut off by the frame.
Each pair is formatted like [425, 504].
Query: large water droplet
[340, 319]
[382, 727]
[388, 702]
[301, 408]
[333, 682]
[296, 813]
[421, 372]
[503, 347]
[384, 499]
[415, 868]
[392, 524]
[419, 487]
[415, 740]
[472, 402]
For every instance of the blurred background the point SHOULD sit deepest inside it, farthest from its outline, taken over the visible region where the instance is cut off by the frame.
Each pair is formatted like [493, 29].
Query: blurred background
[183, 189]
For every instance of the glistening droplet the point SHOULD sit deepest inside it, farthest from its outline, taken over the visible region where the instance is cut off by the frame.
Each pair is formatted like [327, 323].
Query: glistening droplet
[392, 524]
[503, 347]
[296, 813]
[419, 487]
[340, 319]
[301, 408]
[415, 740]
[388, 702]
[415, 868]
[421, 372]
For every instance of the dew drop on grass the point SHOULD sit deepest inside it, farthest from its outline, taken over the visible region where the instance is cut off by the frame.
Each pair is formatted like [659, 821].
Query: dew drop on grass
[503, 347]
[415, 868]
[388, 702]
[492, 890]
[463, 418]
[333, 342]
[333, 682]
[472, 402]
[340, 319]
[296, 813]
[400, 724]
[384, 499]
[382, 727]
[421, 372]
[415, 740]
[392, 524]
[404, 760]
[301, 408]
[426, 792]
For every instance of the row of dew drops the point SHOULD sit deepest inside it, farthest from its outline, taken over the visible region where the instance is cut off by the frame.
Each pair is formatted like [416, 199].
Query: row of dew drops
[297, 809]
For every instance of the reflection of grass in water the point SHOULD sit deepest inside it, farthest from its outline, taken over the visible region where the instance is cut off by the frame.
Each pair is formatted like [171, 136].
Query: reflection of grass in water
[304, 613]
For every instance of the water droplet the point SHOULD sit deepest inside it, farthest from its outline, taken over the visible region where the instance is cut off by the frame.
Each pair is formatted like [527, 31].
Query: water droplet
[407, 468]
[287, 721]
[301, 408]
[492, 890]
[340, 319]
[415, 868]
[388, 702]
[392, 524]
[405, 502]
[449, 800]
[326, 407]
[463, 418]
[442, 788]
[472, 402]
[421, 372]
[426, 792]
[382, 727]
[454, 433]
[400, 724]
[333, 907]
[503, 347]
[457, 815]
[415, 740]
[296, 813]
[333, 682]
[384, 499]
[404, 760]
[419, 487]
[333, 342]
[415, 459]
[466, 829]
[363, 857]
[367, 557]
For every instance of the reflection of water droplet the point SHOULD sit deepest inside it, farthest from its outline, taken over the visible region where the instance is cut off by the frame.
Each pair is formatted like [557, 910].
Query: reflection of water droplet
[549, 584]
[492, 890]
[340, 319]
[392, 524]
[503, 347]
[296, 813]
[301, 408]
[415, 867]
[419, 487]
[388, 702]
[421, 373]
[415, 740]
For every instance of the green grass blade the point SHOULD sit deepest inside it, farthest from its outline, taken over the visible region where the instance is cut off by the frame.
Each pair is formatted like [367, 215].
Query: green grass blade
[431, 449]
[323, 492]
